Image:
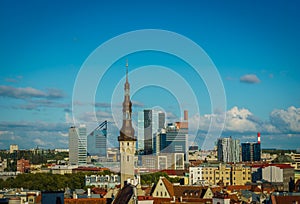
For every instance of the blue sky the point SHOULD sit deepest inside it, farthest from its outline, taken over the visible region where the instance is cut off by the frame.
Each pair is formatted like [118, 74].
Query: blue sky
[253, 44]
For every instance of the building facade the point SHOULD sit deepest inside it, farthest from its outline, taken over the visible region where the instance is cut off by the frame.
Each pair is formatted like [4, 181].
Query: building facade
[162, 161]
[173, 139]
[97, 141]
[127, 140]
[78, 145]
[13, 148]
[274, 173]
[251, 152]
[228, 150]
[23, 165]
[222, 174]
[154, 120]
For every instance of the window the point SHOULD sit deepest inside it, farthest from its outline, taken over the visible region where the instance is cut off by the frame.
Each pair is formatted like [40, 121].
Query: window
[128, 158]
[161, 193]
[165, 193]
[156, 193]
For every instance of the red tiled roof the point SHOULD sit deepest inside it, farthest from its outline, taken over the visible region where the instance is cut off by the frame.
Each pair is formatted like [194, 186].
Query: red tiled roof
[100, 191]
[145, 198]
[174, 172]
[169, 186]
[189, 191]
[284, 199]
[161, 200]
[282, 166]
[85, 201]
[90, 169]
[238, 187]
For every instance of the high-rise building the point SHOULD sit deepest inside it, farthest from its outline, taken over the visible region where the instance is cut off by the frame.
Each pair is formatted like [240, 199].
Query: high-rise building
[97, 141]
[173, 139]
[78, 145]
[153, 121]
[251, 151]
[127, 139]
[228, 150]
[140, 142]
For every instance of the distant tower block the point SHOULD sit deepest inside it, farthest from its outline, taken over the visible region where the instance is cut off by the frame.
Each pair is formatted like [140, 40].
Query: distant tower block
[186, 115]
[258, 137]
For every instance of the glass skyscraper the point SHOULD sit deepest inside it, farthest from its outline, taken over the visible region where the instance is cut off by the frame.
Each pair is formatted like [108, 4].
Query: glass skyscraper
[78, 145]
[97, 141]
[149, 123]
[251, 151]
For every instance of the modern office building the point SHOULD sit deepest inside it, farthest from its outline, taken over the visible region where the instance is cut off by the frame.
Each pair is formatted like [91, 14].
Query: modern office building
[173, 139]
[97, 141]
[154, 120]
[228, 150]
[140, 143]
[162, 161]
[251, 151]
[78, 145]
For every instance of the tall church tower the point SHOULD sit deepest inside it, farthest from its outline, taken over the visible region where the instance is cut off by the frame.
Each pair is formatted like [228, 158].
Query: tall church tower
[126, 139]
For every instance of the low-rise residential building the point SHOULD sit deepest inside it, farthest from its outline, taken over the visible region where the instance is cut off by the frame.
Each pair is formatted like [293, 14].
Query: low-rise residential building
[23, 165]
[63, 169]
[3, 164]
[103, 181]
[213, 174]
[164, 189]
[13, 148]
[240, 174]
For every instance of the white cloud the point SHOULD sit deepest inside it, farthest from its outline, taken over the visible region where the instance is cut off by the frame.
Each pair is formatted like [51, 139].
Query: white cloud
[250, 79]
[239, 120]
[29, 92]
[286, 120]
[40, 142]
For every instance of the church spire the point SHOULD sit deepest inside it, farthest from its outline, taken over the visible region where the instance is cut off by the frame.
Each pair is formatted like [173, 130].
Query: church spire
[127, 131]
[126, 69]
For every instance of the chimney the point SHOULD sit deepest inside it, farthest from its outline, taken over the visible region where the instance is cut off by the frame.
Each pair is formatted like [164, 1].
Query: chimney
[258, 137]
[186, 115]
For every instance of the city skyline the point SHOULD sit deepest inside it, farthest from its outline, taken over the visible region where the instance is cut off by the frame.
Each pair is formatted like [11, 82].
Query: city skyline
[252, 44]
